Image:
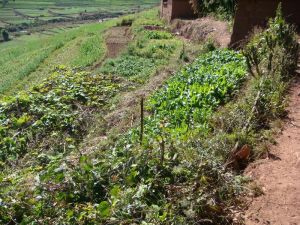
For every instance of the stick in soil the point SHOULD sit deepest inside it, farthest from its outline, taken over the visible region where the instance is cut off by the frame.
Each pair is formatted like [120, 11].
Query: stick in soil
[162, 152]
[245, 129]
[142, 121]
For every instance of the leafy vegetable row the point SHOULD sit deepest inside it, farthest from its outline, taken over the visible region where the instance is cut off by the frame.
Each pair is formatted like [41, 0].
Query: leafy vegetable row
[192, 94]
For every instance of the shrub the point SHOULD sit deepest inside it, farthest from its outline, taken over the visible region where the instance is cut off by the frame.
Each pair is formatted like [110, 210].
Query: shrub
[221, 8]
[5, 35]
[273, 50]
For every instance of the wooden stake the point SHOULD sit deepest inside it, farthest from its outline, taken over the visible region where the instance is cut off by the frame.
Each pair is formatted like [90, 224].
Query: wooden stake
[246, 127]
[142, 121]
[162, 152]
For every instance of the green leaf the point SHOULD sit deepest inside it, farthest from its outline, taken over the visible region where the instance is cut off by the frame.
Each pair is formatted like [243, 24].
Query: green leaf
[115, 192]
[104, 209]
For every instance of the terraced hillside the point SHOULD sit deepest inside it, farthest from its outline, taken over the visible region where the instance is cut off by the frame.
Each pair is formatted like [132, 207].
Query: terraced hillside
[140, 126]
[28, 59]
[23, 11]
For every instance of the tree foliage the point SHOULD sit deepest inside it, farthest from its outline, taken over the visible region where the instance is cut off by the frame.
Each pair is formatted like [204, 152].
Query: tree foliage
[223, 8]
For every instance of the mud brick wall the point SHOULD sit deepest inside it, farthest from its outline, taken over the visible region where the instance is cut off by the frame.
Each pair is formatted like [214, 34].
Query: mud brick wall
[166, 9]
[182, 9]
[172, 9]
[255, 13]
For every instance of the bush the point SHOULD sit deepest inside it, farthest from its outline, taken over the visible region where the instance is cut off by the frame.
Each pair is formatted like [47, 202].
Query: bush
[125, 22]
[5, 35]
[274, 50]
[222, 8]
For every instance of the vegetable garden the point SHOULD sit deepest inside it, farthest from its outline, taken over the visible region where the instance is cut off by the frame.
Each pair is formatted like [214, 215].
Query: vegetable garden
[213, 84]
[52, 115]
[178, 172]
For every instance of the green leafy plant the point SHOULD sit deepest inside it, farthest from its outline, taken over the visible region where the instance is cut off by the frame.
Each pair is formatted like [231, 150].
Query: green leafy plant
[52, 115]
[158, 35]
[193, 93]
[129, 66]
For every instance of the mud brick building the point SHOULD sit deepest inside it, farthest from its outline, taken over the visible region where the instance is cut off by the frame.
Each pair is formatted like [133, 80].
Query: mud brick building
[256, 13]
[171, 9]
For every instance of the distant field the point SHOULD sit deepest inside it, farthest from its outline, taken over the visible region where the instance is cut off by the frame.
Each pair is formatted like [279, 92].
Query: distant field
[29, 59]
[27, 11]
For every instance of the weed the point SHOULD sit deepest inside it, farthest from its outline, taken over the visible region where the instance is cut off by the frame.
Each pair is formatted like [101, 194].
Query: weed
[125, 22]
[271, 59]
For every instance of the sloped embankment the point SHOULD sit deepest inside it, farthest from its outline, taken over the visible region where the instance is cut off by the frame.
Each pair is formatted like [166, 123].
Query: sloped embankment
[279, 173]
[203, 29]
[117, 38]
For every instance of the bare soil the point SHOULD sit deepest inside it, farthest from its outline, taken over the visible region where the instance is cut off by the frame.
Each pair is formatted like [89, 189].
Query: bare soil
[202, 29]
[117, 39]
[279, 175]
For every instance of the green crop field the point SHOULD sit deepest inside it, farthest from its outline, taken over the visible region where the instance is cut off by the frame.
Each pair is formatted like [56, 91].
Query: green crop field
[26, 11]
[28, 59]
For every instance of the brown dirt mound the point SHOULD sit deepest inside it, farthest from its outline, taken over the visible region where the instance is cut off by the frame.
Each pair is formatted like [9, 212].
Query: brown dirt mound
[203, 29]
[279, 175]
[117, 39]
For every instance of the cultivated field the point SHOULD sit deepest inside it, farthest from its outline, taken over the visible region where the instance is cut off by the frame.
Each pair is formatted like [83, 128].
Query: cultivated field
[17, 12]
[29, 59]
[129, 122]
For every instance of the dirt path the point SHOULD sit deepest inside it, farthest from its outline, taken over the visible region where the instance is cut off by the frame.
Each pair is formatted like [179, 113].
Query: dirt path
[280, 176]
